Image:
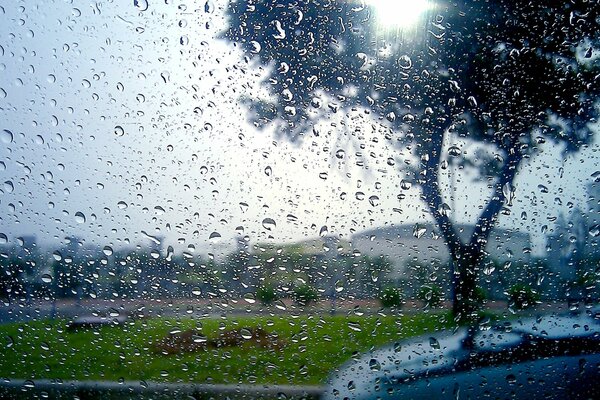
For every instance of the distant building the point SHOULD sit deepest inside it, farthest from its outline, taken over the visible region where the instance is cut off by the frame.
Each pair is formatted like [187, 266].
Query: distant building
[420, 243]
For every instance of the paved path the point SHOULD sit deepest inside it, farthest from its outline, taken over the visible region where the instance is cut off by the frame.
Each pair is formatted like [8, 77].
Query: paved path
[19, 388]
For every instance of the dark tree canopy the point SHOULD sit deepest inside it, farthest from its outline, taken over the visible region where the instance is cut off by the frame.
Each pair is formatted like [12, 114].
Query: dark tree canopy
[506, 69]
[507, 74]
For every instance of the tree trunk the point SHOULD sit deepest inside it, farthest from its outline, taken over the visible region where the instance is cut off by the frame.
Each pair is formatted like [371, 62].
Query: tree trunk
[466, 302]
[466, 257]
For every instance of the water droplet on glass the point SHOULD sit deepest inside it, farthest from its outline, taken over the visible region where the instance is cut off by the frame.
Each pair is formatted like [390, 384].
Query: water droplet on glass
[6, 136]
[79, 217]
[255, 47]
[250, 298]
[434, 343]
[214, 237]
[107, 250]
[3, 238]
[405, 62]
[454, 151]
[374, 201]
[246, 334]
[141, 5]
[119, 131]
[374, 365]
[9, 187]
[355, 326]
[269, 224]
[46, 278]
[419, 231]
[323, 231]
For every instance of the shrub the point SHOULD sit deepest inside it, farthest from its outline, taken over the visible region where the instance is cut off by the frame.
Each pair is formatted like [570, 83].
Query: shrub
[431, 295]
[305, 294]
[266, 294]
[391, 297]
[521, 296]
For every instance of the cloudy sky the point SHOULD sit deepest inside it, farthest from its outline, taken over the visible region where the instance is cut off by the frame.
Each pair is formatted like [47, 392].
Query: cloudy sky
[121, 122]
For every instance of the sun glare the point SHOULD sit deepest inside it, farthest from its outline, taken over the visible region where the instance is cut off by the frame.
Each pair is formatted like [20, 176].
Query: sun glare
[399, 13]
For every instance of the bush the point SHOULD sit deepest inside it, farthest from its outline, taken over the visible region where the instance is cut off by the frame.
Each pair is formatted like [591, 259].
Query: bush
[521, 296]
[266, 294]
[431, 295]
[391, 297]
[305, 294]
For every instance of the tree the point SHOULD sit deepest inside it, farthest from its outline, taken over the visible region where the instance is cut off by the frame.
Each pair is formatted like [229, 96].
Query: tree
[506, 75]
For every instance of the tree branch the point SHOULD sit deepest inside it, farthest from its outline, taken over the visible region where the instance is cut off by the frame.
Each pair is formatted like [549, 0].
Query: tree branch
[430, 189]
[488, 217]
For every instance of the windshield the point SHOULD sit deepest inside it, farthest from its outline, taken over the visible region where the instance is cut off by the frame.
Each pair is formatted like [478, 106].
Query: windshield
[249, 196]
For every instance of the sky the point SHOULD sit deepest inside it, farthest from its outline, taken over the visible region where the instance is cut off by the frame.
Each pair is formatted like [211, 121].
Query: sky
[121, 122]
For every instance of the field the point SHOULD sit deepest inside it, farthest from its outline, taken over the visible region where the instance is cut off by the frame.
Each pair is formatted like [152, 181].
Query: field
[314, 345]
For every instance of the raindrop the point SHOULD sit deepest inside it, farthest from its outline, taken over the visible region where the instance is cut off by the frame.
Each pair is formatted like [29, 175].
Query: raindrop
[268, 171]
[214, 237]
[340, 154]
[405, 185]
[158, 210]
[355, 326]
[269, 224]
[359, 195]
[6, 136]
[255, 47]
[46, 278]
[405, 62]
[165, 76]
[419, 231]
[119, 131]
[374, 201]
[244, 206]
[79, 217]
[246, 334]
[122, 205]
[323, 231]
[28, 384]
[141, 5]
[374, 365]
[594, 231]
[9, 187]
[250, 298]
[107, 250]
[454, 151]
[434, 343]
[3, 238]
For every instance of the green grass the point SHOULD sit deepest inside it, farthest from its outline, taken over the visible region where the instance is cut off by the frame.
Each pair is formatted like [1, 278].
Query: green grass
[315, 346]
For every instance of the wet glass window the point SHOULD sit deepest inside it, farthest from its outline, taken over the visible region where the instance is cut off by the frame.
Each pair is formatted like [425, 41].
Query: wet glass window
[336, 199]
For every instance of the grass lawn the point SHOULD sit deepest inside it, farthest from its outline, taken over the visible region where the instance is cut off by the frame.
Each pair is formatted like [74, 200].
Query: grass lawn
[315, 346]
